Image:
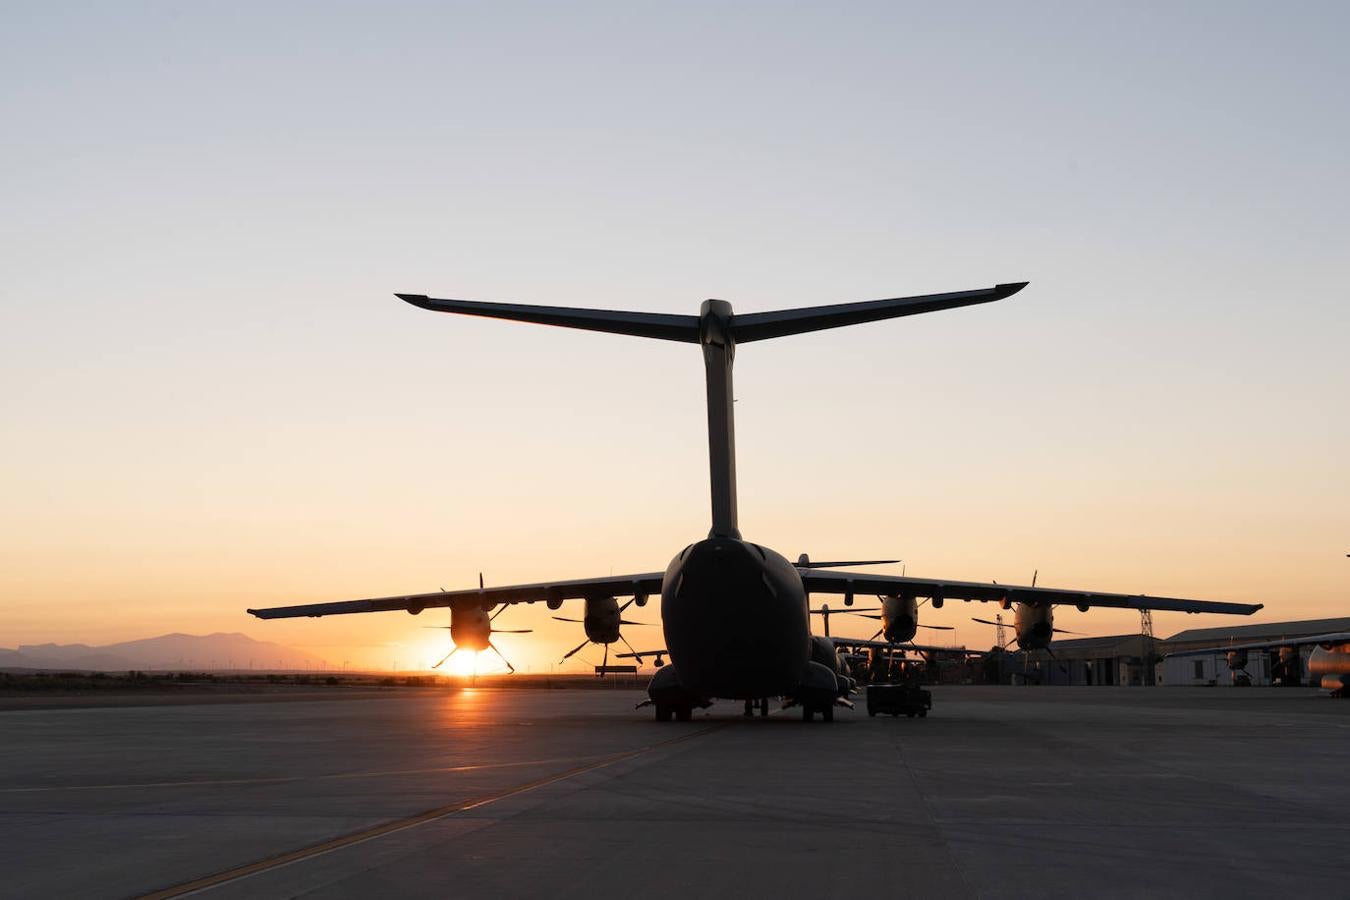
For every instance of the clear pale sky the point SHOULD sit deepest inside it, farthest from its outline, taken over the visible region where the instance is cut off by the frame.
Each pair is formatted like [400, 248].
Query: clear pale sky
[212, 399]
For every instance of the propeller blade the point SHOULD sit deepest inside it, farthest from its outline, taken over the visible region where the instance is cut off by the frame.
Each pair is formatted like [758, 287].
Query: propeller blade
[438, 627]
[877, 635]
[604, 665]
[513, 631]
[628, 604]
[984, 621]
[630, 649]
[444, 658]
[939, 627]
[502, 658]
[647, 624]
[563, 619]
[572, 653]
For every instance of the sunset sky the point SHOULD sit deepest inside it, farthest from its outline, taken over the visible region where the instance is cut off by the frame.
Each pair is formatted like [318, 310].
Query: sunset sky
[213, 401]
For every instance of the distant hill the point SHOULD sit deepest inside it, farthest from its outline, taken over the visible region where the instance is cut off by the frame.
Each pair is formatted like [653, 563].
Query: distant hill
[168, 651]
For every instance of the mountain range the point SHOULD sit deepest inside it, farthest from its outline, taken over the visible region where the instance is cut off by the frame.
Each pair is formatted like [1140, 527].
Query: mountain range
[168, 651]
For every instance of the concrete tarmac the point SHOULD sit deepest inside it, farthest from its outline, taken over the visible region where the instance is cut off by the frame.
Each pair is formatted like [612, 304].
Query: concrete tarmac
[1000, 792]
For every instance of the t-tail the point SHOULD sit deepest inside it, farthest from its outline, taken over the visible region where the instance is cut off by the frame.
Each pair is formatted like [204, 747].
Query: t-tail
[718, 330]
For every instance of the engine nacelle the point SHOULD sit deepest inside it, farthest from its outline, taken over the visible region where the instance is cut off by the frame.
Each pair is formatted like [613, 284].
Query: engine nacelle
[1330, 666]
[601, 619]
[899, 618]
[1035, 625]
[470, 627]
[640, 600]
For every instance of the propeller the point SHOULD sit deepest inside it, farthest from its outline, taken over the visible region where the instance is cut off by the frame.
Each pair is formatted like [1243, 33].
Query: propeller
[491, 631]
[622, 621]
[825, 612]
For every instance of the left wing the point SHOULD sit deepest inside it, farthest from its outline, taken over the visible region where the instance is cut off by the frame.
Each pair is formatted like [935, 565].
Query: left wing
[554, 591]
[847, 583]
[1339, 637]
[860, 643]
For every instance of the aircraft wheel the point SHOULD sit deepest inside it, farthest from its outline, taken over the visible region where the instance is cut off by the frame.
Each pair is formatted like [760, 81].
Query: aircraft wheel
[663, 712]
[827, 714]
[764, 707]
[872, 713]
[807, 713]
[923, 714]
[684, 713]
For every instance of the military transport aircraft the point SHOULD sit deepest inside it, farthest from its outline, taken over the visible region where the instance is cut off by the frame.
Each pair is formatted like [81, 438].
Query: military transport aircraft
[734, 613]
[1330, 658]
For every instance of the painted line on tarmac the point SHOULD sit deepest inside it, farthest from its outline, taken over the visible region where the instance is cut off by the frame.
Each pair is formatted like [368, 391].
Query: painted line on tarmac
[423, 818]
[288, 779]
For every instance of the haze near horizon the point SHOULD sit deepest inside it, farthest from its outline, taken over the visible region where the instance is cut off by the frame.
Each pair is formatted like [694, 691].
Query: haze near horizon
[216, 402]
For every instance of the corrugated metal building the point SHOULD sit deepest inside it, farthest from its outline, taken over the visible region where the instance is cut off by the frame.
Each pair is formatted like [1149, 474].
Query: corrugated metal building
[1263, 667]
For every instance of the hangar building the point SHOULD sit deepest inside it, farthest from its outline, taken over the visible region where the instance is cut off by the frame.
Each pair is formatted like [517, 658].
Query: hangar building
[1115, 659]
[1262, 666]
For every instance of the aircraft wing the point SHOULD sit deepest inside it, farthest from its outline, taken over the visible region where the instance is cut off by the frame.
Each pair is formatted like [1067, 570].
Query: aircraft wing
[848, 583]
[610, 586]
[638, 655]
[1339, 637]
[861, 643]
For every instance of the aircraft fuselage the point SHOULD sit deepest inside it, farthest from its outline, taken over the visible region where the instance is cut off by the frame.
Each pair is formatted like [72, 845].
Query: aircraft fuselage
[735, 620]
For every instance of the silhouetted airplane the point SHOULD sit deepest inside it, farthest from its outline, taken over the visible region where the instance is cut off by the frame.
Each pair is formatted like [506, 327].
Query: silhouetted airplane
[1329, 662]
[735, 613]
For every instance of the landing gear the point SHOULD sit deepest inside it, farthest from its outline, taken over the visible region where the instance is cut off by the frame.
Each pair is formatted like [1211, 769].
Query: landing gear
[750, 707]
[663, 712]
[684, 713]
[764, 707]
[809, 712]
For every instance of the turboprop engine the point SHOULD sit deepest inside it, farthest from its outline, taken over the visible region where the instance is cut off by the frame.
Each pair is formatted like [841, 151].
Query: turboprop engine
[899, 618]
[899, 615]
[601, 619]
[1332, 666]
[1035, 625]
[471, 629]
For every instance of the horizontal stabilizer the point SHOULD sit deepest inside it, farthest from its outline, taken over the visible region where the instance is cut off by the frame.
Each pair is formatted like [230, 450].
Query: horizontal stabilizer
[805, 563]
[743, 327]
[758, 326]
[665, 326]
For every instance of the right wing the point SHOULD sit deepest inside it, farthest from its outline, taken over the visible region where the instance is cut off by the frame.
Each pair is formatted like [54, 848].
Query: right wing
[847, 583]
[612, 586]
